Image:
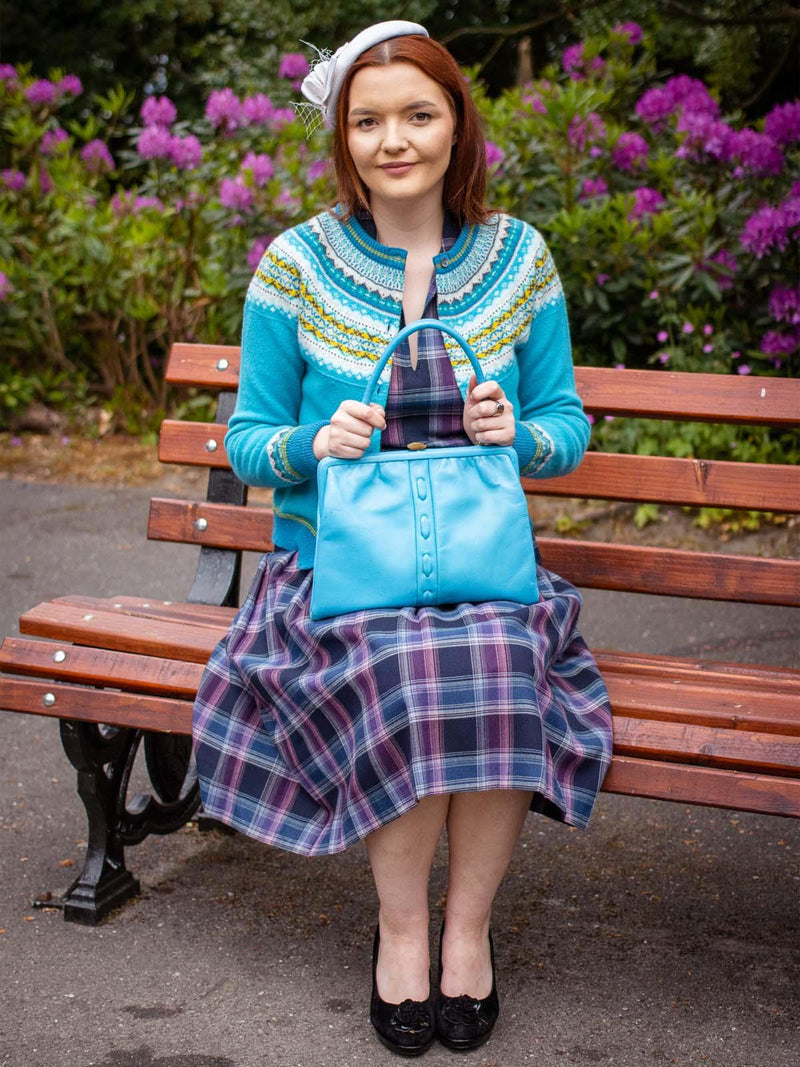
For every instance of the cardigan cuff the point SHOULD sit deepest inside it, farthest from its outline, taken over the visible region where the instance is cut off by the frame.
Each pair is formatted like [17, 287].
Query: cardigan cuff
[297, 448]
[533, 446]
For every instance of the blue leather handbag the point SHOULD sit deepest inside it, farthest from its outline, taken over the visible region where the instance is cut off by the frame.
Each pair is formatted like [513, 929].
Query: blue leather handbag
[405, 528]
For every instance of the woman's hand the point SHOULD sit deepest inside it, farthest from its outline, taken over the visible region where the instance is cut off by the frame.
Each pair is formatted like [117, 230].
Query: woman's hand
[348, 433]
[488, 415]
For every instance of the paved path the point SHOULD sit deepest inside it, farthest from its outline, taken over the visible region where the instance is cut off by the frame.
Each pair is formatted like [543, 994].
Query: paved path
[662, 935]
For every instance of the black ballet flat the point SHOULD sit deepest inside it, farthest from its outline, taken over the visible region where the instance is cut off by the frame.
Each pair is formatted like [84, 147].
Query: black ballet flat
[465, 1022]
[406, 1028]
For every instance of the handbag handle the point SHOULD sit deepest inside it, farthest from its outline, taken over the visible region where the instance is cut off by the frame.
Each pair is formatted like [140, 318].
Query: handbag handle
[421, 324]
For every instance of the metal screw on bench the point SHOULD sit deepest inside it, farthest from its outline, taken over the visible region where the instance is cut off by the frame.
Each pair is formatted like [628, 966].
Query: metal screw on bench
[48, 700]
[201, 524]
[59, 656]
[211, 446]
[222, 364]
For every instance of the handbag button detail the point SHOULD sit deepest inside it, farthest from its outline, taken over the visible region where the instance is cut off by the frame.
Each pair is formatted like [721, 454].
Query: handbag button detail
[425, 526]
[427, 565]
[427, 597]
[416, 446]
[422, 489]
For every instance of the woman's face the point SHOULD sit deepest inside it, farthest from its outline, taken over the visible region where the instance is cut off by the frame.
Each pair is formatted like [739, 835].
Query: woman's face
[400, 132]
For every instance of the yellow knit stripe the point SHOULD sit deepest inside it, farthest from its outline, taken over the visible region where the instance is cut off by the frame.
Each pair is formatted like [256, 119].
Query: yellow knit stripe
[341, 327]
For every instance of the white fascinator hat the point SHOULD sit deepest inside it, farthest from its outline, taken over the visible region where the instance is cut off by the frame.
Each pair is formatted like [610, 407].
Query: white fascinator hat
[323, 84]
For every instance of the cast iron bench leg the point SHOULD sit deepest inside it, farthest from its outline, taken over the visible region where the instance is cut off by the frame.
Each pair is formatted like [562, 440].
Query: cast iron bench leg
[104, 758]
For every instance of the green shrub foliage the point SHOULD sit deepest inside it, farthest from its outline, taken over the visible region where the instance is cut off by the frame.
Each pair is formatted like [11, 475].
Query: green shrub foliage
[674, 226]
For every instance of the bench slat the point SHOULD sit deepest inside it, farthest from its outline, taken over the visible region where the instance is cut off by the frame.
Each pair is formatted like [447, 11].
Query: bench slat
[161, 714]
[680, 743]
[601, 475]
[181, 611]
[648, 394]
[710, 672]
[588, 564]
[122, 633]
[94, 666]
[705, 786]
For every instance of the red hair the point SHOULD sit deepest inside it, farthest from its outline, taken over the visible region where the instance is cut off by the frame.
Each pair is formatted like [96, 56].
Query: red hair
[465, 179]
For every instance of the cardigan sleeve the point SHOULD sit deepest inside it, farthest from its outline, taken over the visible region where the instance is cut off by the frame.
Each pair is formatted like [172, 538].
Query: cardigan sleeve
[552, 429]
[265, 443]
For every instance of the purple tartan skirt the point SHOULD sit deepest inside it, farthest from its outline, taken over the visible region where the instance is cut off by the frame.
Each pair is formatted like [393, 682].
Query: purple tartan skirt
[310, 735]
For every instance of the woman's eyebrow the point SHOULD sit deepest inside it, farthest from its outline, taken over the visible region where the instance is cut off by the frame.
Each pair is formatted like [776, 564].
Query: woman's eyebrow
[415, 106]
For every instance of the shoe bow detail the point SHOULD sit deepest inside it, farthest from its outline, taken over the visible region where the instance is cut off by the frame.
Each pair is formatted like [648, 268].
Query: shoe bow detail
[462, 1010]
[412, 1017]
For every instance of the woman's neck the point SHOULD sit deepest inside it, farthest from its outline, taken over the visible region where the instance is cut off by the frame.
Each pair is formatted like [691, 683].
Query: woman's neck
[409, 226]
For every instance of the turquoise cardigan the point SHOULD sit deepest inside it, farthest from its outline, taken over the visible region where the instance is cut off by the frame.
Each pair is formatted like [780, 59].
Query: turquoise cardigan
[322, 306]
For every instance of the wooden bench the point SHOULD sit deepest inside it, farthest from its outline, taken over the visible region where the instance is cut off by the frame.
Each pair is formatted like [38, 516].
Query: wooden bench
[120, 673]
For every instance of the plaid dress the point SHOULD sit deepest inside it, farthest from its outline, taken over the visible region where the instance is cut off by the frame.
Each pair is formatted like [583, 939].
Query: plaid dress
[310, 735]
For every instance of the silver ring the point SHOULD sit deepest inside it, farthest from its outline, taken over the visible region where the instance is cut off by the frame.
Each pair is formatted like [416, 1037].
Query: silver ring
[498, 409]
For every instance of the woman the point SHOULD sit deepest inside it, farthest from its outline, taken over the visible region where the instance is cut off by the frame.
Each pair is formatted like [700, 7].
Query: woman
[381, 725]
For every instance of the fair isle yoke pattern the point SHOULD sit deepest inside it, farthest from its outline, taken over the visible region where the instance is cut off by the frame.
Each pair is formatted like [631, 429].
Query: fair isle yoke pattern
[345, 291]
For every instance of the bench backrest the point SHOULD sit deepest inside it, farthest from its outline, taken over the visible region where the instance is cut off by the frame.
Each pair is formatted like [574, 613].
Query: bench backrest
[223, 525]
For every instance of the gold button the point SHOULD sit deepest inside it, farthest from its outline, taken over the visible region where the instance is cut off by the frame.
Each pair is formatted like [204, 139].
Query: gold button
[416, 446]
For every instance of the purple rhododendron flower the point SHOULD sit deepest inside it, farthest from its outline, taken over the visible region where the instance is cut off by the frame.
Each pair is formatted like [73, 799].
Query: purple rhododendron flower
[288, 202]
[158, 111]
[51, 140]
[13, 179]
[282, 116]
[687, 328]
[96, 156]
[743, 368]
[598, 65]
[235, 195]
[535, 103]
[186, 152]
[708, 349]
[257, 250]
[663, 358]
[7, 72]
[6, 288]
[766, 229]
[494, 155]
[584, 131]
[293, 66]
[260, 166]
[646, 201]
[223, 108]
[593, 187]
[775, 343]
[629, 152]
[602, 279]
[144, 203]
[631, 30]
[757, 152]
[572, 58]
[704, 133]
[317, 170]
[155, 142]
[680, 93]
[784, 304]
[257, 110]
[45, 183]
[782, 124]
[70, 84]
[662, 336]
[41, 92]
[128, 203]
